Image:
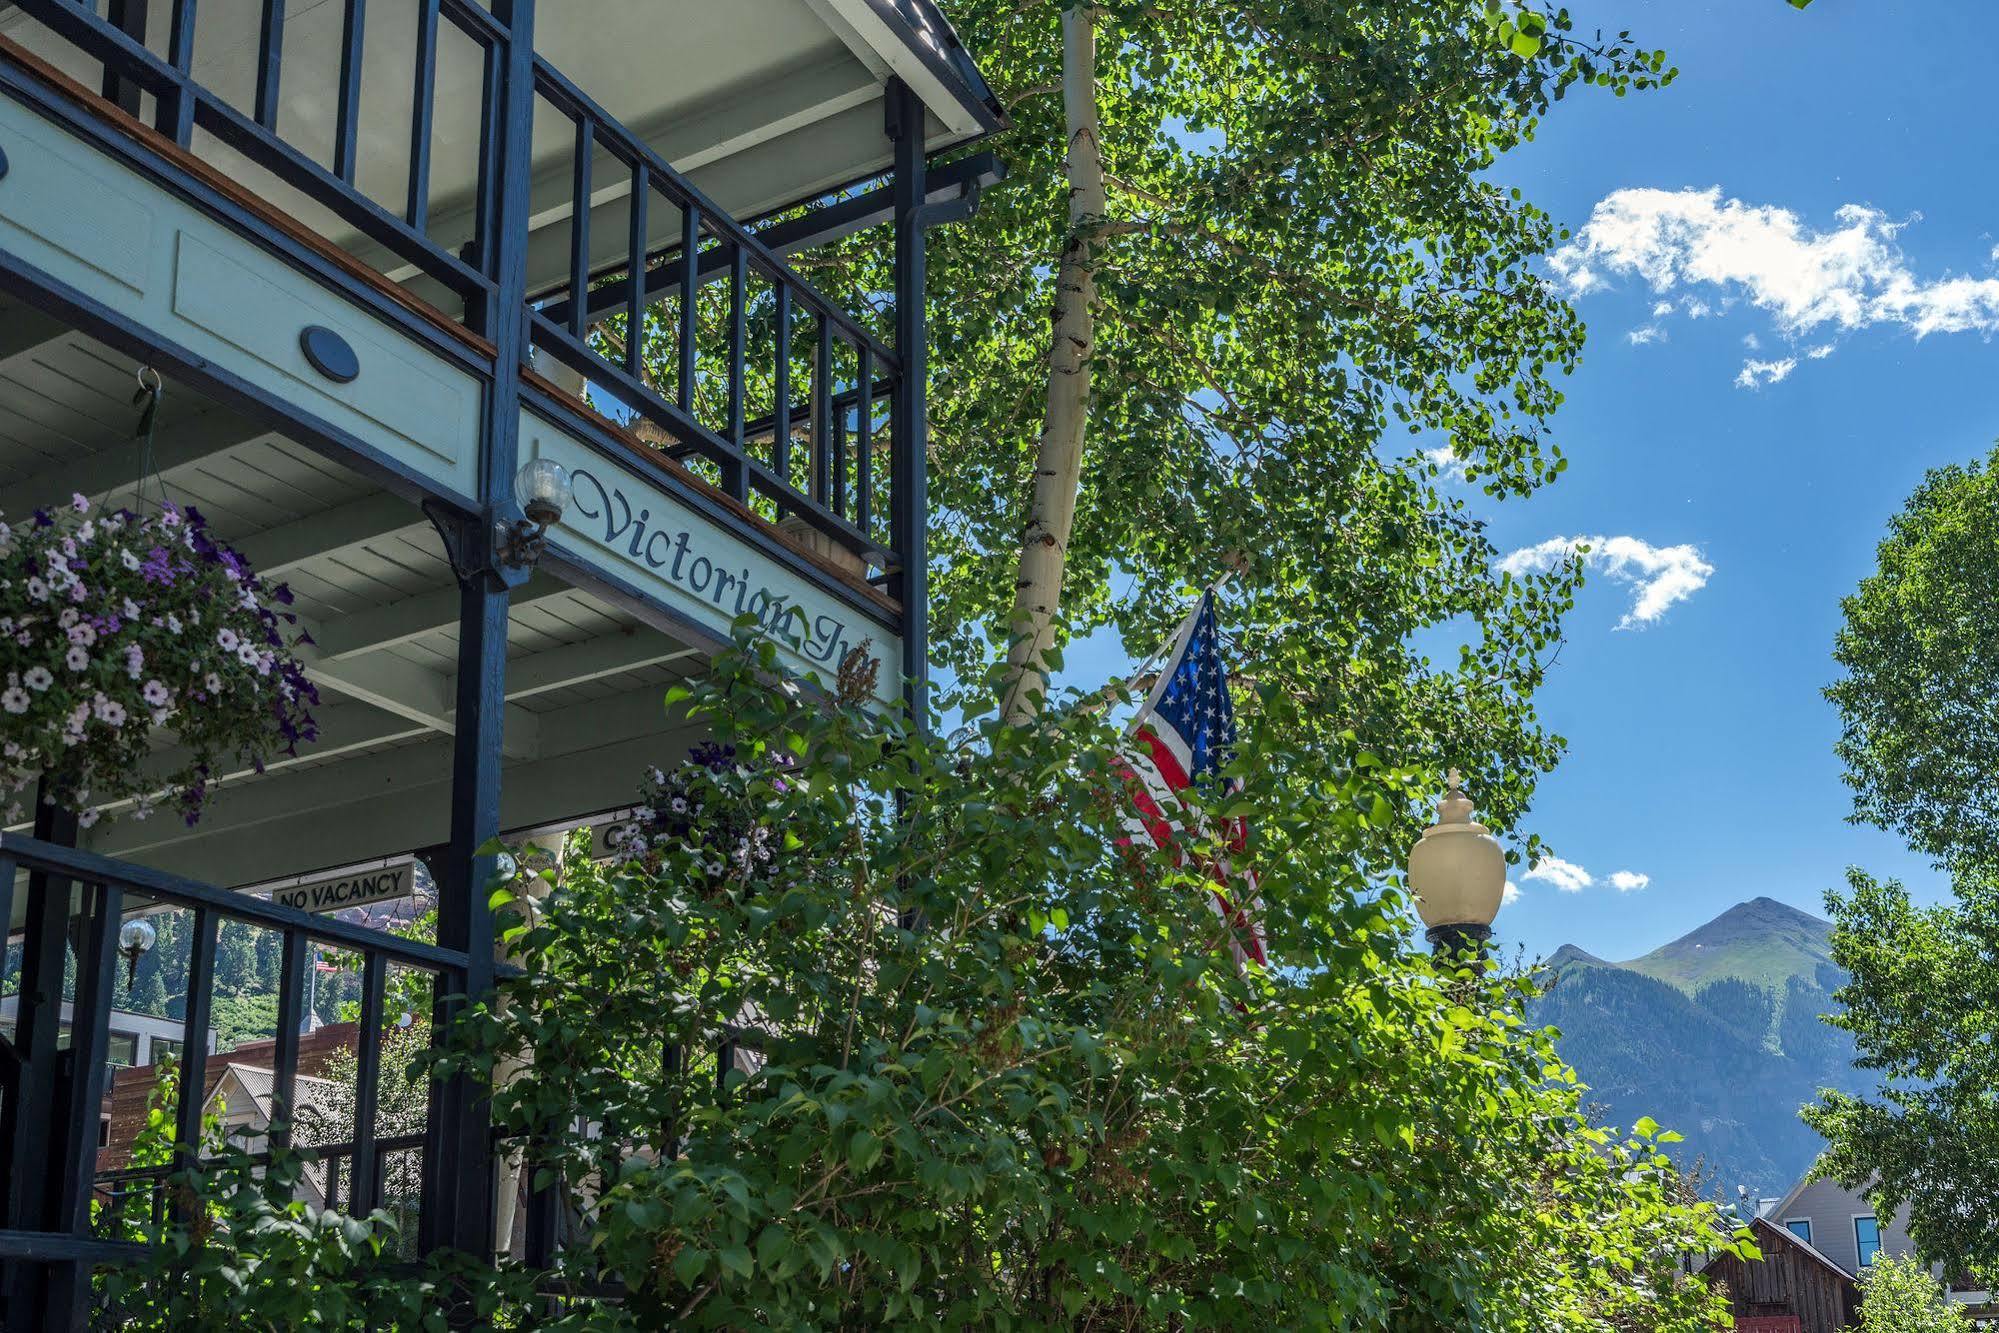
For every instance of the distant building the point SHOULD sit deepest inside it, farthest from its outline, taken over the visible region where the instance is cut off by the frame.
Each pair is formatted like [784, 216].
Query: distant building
[1817, 1240]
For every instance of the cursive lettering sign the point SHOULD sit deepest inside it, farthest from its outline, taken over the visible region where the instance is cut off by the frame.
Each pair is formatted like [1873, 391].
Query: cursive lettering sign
[679, 555]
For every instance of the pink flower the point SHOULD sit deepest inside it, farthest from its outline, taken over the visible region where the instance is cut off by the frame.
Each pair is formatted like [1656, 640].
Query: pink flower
[155, 693]
[226, 640]
[79, 504]
[110, 711]
[82, 635]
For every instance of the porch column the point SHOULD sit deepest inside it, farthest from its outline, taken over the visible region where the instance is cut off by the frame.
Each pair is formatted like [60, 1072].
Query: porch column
[910, 474]
[459, 1177]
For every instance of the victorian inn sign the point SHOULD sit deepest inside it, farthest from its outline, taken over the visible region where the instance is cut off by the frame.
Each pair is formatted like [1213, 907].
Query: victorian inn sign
[473, 324]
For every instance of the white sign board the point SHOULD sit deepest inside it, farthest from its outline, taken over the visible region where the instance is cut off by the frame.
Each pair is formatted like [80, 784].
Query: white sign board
[353, 888]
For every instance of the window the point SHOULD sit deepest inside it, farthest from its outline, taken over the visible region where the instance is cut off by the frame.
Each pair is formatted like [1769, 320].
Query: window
[1867, 1236]
[164, 1047]
[121, 1049]
[1801, 1227]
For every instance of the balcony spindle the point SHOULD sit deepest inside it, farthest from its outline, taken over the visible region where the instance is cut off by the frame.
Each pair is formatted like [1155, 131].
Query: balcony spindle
[735, 477]
[174, 116]
[780, 438]
[291, 1019]
[864, 444]
[822, 410]
[365, 1188]
[690, 288]
[347, 112]
[635, 273]
[579, 225]
[270, 57]
[423, 104]
[194, 1049]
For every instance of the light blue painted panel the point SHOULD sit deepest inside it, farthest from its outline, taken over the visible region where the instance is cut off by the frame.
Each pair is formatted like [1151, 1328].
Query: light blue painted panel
[621, 519]
[233, 300]
[120, 239]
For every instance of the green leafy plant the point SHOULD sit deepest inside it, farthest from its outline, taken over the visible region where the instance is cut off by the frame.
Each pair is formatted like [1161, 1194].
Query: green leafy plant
[1920, 1001]
[1898, 1295]
[115, 624]
[987, 1064]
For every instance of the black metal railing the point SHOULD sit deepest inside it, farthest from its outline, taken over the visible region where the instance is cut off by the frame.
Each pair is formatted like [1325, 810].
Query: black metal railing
[183, 104]
[51, 1096]
[706, 316]
[818, 455]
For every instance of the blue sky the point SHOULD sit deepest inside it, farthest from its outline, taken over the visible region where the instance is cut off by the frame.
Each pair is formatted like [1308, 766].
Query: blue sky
[1787, 264]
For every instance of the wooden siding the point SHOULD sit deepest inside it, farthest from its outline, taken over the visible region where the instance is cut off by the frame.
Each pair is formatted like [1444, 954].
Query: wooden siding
[1789, 1280]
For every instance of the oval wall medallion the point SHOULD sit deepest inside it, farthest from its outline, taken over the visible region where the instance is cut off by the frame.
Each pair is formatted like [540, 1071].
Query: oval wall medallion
[329, 353]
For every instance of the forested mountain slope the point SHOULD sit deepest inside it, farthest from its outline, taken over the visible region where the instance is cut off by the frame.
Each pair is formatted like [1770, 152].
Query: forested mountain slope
[1716, 1035]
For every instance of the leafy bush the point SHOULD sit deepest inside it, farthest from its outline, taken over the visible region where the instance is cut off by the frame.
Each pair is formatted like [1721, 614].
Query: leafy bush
[1898, 1295]
[994, 1066]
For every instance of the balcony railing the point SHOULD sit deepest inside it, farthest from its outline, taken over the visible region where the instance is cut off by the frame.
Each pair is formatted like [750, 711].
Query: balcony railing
[707, 345]
[75, 903]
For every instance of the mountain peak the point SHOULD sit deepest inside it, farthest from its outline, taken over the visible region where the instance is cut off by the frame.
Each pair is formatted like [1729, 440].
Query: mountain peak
[1762, 941]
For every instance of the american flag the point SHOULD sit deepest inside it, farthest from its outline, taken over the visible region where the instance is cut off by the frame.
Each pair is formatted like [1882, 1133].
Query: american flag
[1182, 739]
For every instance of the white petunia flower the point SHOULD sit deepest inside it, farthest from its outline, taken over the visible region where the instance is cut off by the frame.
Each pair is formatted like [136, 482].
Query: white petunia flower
[38, 678]
[77, 658]
[14, 699]
[226, 640]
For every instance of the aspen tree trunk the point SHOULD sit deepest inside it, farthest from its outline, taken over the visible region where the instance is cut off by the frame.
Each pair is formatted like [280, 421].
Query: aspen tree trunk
[1058, 463]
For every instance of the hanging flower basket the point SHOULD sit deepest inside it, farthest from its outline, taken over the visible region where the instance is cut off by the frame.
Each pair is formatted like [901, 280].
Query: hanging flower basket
[115, 626]
[706, 808]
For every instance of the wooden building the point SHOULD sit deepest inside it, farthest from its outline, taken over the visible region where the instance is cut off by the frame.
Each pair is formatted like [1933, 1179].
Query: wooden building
[1793, 1289]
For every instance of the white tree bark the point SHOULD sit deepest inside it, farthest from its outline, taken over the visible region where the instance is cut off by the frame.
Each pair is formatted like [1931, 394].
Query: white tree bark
[1058, 463]
[533, 889]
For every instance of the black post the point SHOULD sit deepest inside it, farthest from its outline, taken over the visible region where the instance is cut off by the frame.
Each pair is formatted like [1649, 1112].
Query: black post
[459, 1160]
[910, 429]
[34, 1125]
[1460, 939]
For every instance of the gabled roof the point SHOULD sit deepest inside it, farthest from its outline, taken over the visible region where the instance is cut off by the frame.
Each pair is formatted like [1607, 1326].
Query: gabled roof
[1766, 1230]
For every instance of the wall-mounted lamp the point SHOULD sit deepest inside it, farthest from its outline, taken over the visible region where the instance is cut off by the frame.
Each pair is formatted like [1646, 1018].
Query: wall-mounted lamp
[542, 489]
[135, 937]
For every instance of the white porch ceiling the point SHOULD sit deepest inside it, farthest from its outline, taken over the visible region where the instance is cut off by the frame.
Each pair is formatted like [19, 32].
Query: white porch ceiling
[585, 677]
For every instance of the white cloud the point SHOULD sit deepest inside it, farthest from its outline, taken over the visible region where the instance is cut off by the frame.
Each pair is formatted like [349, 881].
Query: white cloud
[1564, 875]
[1446, 462]
[1659, 575]
[1661, 308]
[1755, 374]
[1650, 333]
[1849, 276]
[1821, 352]
[1572, 878]
[1751, 341]
[1510, 895]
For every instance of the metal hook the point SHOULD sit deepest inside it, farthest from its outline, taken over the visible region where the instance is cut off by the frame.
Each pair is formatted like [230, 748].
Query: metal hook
[157, 384]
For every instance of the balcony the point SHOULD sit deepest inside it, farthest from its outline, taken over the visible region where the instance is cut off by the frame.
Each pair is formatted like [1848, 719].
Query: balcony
[380, 255]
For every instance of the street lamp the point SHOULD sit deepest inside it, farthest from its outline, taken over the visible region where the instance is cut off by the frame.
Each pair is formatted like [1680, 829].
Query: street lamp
[135, 937]
[1458, 874]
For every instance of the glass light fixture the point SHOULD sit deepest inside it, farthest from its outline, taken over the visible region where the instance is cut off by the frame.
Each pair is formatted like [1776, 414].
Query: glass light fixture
[1458, 874]
[542, 488]
[135, 937]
